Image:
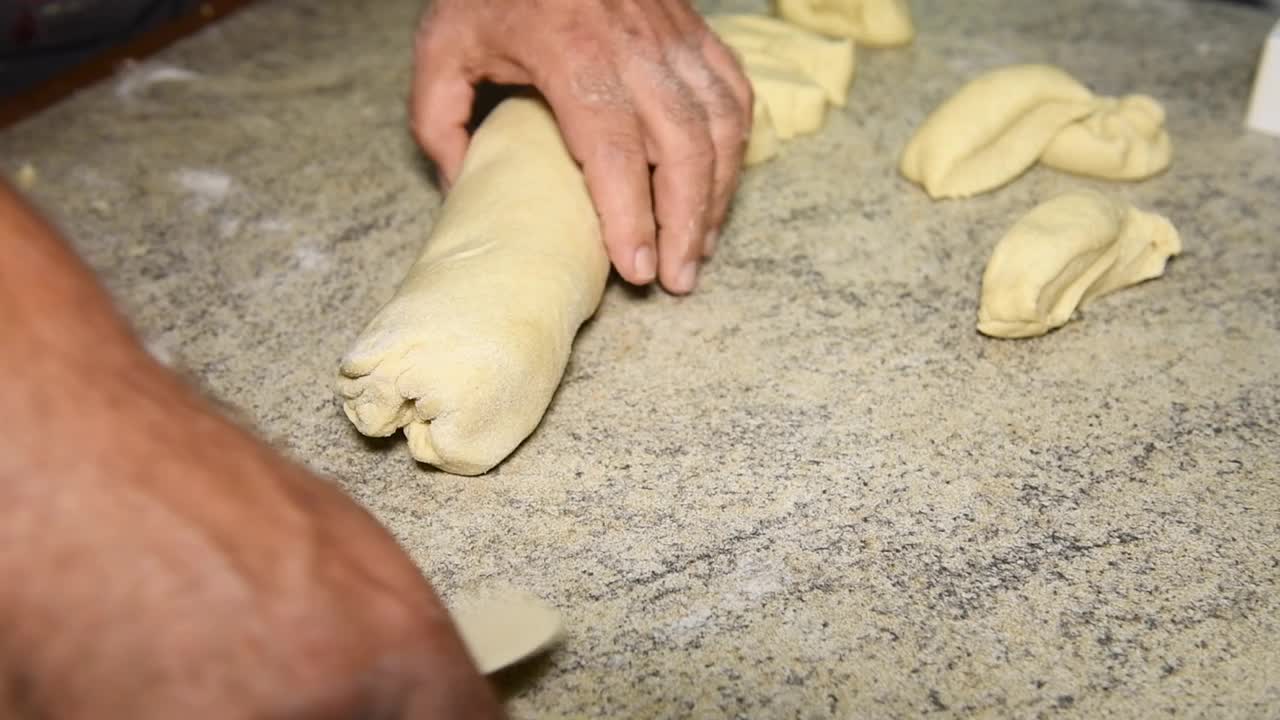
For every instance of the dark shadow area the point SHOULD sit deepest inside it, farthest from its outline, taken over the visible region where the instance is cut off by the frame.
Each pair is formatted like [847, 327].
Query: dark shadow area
[488, 96]
[48, 50]
[379, 445]
[520, 678]
[635, 292]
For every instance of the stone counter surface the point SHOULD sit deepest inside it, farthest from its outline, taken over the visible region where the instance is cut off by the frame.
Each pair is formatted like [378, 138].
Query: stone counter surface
[812, 489]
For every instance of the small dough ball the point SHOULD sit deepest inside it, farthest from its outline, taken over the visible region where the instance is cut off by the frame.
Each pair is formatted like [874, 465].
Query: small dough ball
[875, 23]
[993, 129]
[1123, 139]
[768, 41]
[1064, 253]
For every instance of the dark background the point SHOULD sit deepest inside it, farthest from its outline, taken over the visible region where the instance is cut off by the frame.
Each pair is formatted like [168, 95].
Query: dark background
[39, 39]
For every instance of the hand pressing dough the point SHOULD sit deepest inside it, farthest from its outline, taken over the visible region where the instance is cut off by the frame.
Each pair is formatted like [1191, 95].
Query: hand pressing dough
[468, 352]
[875, 23]
[1064, 253]
[501, 632]
[1001, 123]
[794, 73]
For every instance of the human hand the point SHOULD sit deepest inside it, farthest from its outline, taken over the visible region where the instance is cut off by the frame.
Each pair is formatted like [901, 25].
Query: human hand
[633, 84]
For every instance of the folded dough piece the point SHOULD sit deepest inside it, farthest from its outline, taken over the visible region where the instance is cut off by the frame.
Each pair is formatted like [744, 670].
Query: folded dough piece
[1122, 139]
[993, 129]
[1065, 252]
[763, 143]
[875, 23]
[1001, 123]
[794, 73]
[768, 41]
[468, 352]
[796, 105]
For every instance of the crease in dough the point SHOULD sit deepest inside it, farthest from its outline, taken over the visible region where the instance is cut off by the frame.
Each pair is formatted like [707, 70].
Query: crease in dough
[1064, 253]
[794, 74]
[1001, 123]
[827, 62]
[874, 23]
[1122, 139]
[466, 355]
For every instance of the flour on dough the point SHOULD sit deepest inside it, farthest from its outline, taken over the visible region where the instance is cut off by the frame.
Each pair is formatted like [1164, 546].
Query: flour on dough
[875, 23]
[1064, 253]
[1000, 124]
[794, 73]
[469, 350]
[502, 631]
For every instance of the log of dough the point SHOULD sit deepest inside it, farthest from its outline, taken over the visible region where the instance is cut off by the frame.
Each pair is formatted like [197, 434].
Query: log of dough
[794, 73]
[467, 354]
[1001, 123]
[875, 23]
[1064, 253]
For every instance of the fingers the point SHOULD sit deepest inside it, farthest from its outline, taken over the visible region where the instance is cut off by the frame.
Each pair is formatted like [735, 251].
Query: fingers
[731, 122]
[603, 132]
[715, 75]
[440, 101]
[677, 126]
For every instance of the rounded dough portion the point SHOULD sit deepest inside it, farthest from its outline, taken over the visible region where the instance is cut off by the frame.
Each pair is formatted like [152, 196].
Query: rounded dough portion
[1123, 139]
[1064, 253]
[467, 354]
[875, 23]
[993, 129]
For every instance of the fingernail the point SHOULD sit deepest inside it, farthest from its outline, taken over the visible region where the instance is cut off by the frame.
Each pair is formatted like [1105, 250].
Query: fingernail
[687, 278]
[645, 264]
[709, 247]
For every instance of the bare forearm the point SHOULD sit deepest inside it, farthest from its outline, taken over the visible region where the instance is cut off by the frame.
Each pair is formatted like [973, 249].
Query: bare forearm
[158, 561]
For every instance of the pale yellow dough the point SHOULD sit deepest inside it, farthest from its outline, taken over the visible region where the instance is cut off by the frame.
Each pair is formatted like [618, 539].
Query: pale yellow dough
[466, 355]
[794, 73]
[827, 62]
[1122, 139]
[875, 23]
[1064, 253]
[1000, 124]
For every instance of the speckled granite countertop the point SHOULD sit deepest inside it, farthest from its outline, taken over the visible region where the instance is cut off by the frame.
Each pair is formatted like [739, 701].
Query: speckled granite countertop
[812, 489]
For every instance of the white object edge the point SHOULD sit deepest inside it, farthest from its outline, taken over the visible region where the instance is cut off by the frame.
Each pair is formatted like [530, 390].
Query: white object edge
[1264, 107]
